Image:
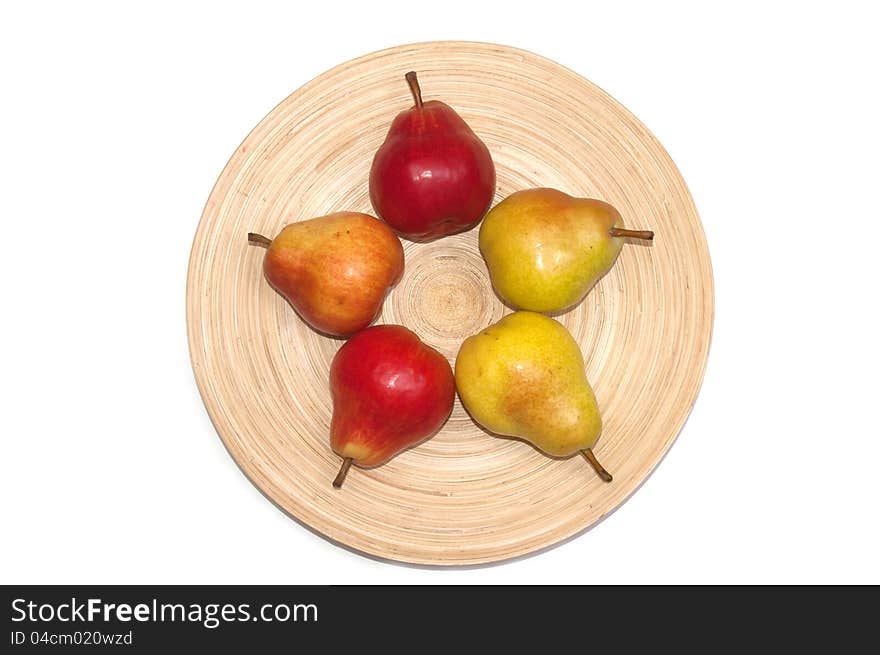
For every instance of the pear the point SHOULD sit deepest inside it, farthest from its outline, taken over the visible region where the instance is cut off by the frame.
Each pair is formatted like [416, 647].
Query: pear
[335, 270]
[391, 391]
[432, 176]
[524, 377]
[546, 249]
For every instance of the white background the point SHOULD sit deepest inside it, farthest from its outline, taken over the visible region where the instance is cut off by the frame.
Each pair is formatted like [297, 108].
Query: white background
[116, 120]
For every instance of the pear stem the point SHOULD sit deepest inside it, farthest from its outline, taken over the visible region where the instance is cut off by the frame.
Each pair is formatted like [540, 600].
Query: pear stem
[414, 87]
[343, 471]
[600, 470]
[645, 235]
[258, 240]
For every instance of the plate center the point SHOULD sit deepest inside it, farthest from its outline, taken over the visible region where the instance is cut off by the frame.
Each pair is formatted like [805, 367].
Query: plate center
[446, 295]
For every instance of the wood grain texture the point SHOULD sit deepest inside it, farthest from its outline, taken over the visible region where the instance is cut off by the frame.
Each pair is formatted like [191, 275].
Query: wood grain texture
[463, 497]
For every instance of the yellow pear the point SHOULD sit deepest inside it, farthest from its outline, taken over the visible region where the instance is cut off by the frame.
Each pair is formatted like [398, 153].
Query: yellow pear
[524, 377]
[546, 249]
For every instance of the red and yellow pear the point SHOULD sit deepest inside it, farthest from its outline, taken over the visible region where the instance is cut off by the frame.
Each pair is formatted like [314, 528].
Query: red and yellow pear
[335, 270]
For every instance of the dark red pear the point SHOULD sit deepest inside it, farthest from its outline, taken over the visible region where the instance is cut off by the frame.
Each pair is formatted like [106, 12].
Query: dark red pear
[432, 176]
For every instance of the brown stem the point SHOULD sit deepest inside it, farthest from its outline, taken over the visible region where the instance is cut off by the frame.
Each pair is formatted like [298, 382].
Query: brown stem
[645, 235]
[600, 470]
[258, 240]
[343, 471]
[413, 81]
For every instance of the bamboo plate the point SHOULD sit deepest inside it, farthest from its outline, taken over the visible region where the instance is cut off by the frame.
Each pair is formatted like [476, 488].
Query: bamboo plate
[463, 497]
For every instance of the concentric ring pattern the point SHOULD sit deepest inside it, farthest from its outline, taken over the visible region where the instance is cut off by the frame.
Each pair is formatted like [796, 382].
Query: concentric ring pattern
[464, 497]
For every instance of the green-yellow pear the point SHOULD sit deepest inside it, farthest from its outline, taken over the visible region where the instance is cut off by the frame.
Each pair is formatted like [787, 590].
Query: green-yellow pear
[524, 377]
[546, 249]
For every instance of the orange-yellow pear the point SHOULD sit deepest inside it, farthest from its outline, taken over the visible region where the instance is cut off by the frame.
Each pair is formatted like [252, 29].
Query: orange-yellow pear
[335, 270]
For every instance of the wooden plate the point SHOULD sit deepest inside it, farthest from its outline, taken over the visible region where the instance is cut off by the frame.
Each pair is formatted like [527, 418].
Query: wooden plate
[464, 497]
